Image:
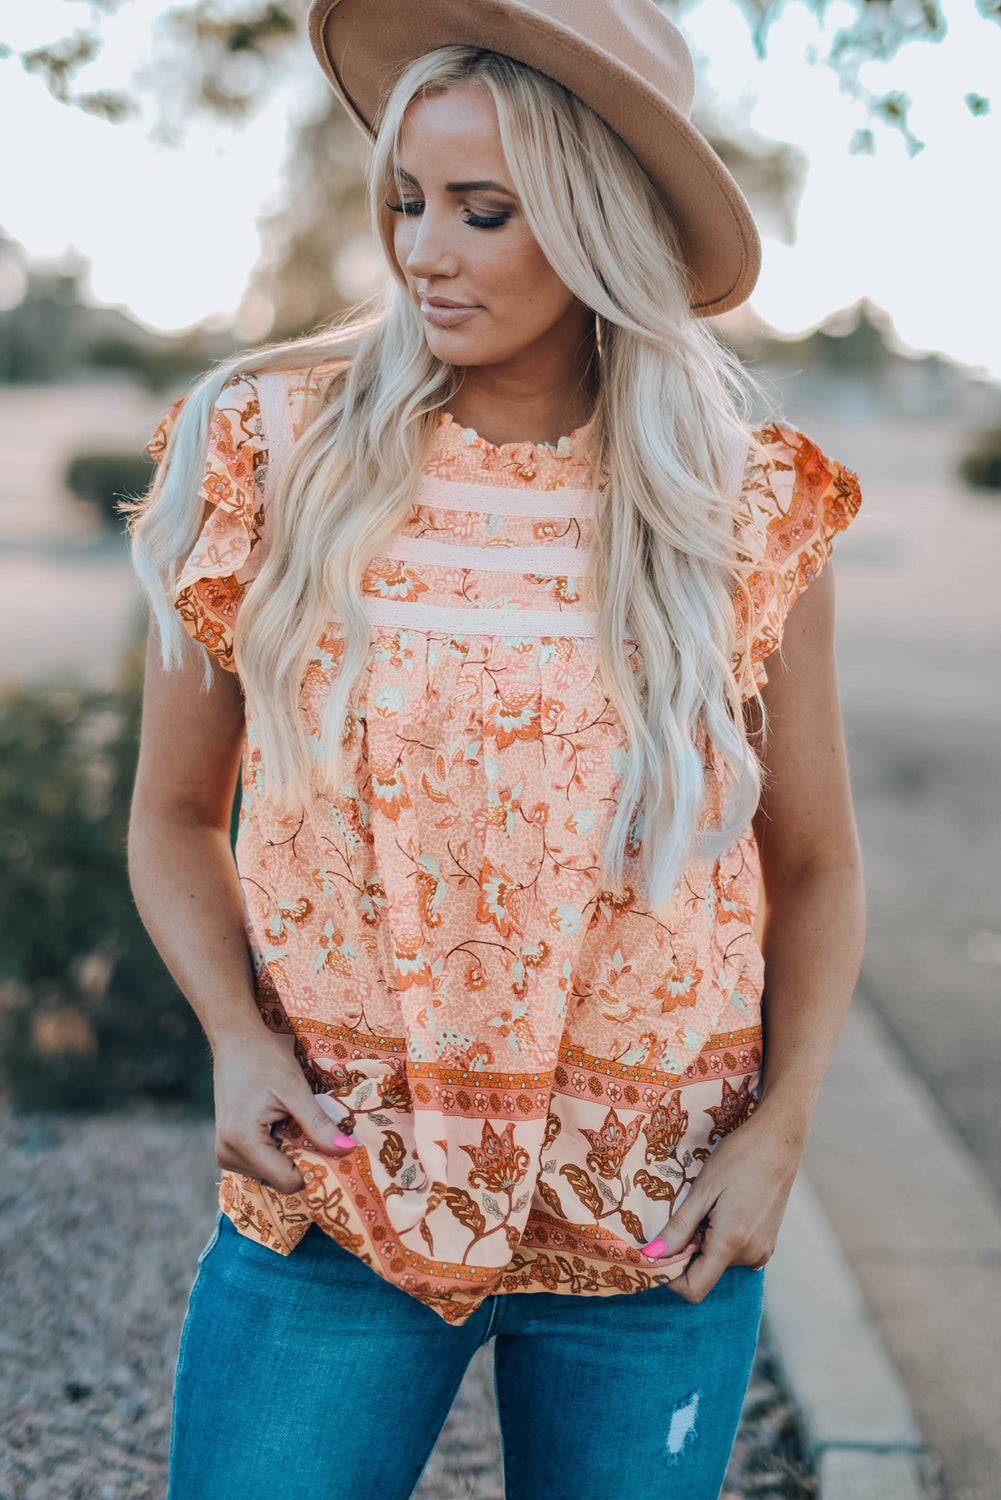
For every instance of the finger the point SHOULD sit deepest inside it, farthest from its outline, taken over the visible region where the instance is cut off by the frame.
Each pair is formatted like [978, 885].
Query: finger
[319, 1117]
[284, 1179]
[680, 1229]
[701, 1274]
[262, 1160]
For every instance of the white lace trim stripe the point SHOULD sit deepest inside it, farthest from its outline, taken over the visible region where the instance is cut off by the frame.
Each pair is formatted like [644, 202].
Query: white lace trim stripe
[547, 562]
[499, 500]
[449, 619]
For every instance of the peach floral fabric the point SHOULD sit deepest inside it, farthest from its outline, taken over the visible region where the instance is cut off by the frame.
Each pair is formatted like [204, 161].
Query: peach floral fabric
[535, 1069]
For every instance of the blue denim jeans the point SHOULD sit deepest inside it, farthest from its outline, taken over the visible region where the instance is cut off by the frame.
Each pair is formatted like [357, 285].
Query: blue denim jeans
[309, 1377]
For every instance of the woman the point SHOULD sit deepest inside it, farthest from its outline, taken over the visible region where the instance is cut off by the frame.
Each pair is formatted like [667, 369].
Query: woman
[482, 595]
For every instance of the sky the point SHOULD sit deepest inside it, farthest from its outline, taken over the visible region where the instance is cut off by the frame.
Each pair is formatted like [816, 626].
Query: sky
[171, 229]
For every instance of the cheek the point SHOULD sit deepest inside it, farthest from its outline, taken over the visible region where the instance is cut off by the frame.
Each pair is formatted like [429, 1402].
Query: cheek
[402, 240]
[521, 272]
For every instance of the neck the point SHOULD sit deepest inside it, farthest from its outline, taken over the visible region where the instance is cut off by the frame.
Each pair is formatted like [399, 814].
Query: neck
[503, 409]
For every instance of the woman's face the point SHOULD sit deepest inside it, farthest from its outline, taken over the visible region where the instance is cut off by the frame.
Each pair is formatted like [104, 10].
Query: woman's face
[461, 236]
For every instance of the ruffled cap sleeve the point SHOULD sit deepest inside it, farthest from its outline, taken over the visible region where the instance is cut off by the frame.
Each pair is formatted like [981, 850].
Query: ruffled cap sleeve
[794, 500]
[229, 549]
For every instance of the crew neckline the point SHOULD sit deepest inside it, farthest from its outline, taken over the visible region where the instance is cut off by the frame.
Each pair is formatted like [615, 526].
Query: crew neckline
[568, 446]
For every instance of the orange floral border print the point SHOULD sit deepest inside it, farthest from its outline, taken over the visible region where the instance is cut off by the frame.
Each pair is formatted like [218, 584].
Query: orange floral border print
[637, 1113]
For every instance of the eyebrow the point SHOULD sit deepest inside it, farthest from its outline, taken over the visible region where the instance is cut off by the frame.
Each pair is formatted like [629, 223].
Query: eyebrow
[461, 187]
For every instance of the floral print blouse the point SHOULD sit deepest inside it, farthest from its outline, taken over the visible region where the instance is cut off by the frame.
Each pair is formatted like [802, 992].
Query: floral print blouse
[534, 1068]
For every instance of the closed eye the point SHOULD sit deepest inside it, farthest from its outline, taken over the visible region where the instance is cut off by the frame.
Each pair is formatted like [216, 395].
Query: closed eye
[477, 221]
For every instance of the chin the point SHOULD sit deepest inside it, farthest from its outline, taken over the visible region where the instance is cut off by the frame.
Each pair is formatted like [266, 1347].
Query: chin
[452, 339]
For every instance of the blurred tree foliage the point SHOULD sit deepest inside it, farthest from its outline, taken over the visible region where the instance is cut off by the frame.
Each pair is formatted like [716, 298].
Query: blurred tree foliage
[105, 478]
[159, 365]
[90, 1019]
[981, 465]
[222, 56]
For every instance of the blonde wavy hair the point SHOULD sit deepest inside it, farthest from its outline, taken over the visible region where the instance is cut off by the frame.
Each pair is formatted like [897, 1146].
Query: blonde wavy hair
[665, 558]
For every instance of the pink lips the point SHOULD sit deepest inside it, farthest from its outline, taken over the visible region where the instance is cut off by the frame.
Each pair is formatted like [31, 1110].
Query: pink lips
[446, 315]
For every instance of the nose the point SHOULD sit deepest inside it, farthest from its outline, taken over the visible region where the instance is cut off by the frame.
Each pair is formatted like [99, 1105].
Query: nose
[430, 255]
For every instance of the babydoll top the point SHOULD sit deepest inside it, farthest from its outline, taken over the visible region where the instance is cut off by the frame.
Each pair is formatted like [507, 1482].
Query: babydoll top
[535, 1068]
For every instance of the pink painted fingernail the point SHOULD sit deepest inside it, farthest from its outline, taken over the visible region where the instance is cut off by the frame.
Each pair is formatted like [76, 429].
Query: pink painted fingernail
[343, 1142]
[654, 1249]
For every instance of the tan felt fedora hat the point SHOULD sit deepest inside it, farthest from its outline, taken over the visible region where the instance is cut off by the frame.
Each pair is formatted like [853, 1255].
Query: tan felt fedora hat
[624, 58]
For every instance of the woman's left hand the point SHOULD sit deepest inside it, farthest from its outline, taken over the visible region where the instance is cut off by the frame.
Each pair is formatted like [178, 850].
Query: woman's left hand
[742, 1192]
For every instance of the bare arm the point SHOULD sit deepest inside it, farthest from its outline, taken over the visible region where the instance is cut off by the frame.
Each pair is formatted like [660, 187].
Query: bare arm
[181, 868]
[812, 942]
[811, 863]
[187, 890]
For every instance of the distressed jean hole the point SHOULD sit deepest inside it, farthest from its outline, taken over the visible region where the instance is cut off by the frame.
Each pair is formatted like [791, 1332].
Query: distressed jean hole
[682, 1423]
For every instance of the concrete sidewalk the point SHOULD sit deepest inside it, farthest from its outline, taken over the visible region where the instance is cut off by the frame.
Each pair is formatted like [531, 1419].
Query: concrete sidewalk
[860, 1432]
[884, 1289]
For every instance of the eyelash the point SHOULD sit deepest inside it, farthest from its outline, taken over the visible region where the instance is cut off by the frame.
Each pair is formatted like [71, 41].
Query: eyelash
[477, 221]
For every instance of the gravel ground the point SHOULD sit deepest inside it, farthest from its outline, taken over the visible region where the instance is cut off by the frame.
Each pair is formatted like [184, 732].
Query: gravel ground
[101, 1222]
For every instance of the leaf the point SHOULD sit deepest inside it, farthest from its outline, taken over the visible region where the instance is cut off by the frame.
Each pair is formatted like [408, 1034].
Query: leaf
[379, 1119]
[605, 1191]
[409, 1176]
[633, 1225]
[513, 1237]
[426, 1235]
[461, 1205]
[550, 1198]
[521, 1203]
[583, 1187]
[492, 1207]
[393, 1152]
[655, 1187]
[431, 792]
[553, 1128]
[363, 1094]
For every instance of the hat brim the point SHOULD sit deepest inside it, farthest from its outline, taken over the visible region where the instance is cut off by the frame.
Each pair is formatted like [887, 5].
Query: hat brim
[364, 45]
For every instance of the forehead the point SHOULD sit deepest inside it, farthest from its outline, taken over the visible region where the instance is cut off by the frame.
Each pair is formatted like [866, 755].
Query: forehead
[460, 121]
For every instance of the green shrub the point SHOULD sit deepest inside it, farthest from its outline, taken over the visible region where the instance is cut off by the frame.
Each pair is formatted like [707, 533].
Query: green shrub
[159, 365]
[106, 478]
[90, 1019]
[981, 465]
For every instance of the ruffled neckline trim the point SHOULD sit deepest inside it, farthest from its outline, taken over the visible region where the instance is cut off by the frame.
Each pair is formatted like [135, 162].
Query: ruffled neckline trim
[572, 450]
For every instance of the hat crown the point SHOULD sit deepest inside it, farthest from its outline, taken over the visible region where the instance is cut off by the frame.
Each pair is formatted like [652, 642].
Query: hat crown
[638, 34]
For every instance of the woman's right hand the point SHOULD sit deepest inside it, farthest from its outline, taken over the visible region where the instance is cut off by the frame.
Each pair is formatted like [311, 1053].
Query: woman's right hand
[258, 1080]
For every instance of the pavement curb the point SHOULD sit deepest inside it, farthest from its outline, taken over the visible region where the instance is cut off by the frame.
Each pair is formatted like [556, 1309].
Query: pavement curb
[919, 1222]
[860, 1431]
